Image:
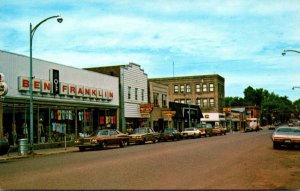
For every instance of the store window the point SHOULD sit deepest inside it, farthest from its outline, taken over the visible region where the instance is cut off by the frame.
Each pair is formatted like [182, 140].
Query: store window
[175, 88]
[197, 88]
[211, 87]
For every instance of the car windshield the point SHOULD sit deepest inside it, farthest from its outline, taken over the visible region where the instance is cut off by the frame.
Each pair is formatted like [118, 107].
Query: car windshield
[168, 130]
[189, 129]
[98, 133]
[292, 130]
[140, 130]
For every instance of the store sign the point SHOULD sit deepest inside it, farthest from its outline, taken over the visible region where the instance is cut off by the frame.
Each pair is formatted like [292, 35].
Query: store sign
[65, 89]
[54, 78]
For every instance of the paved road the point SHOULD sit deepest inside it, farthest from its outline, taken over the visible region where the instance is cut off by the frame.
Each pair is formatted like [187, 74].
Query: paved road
[234, 161]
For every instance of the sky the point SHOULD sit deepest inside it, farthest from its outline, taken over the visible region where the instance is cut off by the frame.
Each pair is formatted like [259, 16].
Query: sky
[241, 40]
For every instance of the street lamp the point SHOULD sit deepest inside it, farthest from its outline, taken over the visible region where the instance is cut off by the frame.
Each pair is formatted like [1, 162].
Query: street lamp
[295, 87]
[32, 31]
[285, 51]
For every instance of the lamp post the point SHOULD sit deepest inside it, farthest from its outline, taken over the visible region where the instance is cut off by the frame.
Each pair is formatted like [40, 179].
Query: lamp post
[285, 51]
[31, 32]
[295, 87]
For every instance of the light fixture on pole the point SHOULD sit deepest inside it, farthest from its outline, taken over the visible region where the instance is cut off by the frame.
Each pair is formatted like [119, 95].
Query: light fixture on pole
[295, 87]
[285, 51]
[31, 32]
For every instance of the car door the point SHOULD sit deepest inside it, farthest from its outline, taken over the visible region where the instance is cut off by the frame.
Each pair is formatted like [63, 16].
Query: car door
[112, 139]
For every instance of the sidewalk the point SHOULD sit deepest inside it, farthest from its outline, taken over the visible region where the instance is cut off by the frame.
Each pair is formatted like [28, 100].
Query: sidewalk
[40, 152]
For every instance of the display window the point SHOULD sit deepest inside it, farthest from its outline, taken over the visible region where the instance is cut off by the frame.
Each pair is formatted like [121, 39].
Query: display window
[52, 123]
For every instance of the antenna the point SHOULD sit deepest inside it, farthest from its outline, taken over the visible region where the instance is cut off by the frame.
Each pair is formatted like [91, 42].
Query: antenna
[173, 68]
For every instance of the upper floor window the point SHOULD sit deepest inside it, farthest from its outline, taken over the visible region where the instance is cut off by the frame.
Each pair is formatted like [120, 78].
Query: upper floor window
[129, 92]
[204, 87]
[205, 104]
[182, 101]
[143, 96]
[188, 88]
[212, 102]
[182, 88]
[155, 98]
[175, 88]
[197, 87]
[188, 101]
[211, 87]
[176, 101]
[136, 93]
[198, 101]
[164, 100]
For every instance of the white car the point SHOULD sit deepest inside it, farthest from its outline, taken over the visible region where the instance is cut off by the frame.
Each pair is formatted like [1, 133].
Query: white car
[191, 132]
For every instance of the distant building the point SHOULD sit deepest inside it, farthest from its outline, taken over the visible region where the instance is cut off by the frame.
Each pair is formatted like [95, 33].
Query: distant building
[206, 91]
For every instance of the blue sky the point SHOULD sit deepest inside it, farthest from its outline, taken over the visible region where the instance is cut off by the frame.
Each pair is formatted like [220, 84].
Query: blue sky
[237, 39]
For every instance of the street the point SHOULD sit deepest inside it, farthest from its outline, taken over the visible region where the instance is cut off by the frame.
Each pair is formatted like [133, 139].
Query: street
[233, 161]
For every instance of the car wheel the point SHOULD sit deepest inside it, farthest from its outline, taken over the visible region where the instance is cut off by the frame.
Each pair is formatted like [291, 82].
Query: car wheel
[103, 145]
[275, 145]
[122, 143]
[81, 148]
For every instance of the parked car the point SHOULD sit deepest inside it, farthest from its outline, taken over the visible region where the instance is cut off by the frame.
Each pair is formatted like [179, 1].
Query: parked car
[170, 134]
[286, 136]
[191, 132]
[143, 134]
[102, 138]
[219, 130]
[202, 129]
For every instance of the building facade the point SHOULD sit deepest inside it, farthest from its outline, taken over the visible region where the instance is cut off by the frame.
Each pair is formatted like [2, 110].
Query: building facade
[133, 93]
[67, 102]
[206, 91]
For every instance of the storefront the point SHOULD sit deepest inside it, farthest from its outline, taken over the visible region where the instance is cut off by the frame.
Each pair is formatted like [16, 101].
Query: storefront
[185, 115]
[214, 118]
[67, 102]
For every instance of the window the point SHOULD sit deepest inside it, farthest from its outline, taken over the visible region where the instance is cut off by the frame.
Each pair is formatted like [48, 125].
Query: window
[198, 88]
[164, 100]
[204, 87]
[155, 98]
[212, 102]
[188, 88]
[182, 88]
[176, 101]
[205, 102]
[188, 101]
[211, 87]
[175, 88]
[182, 101]
[143, 96]
[129, 92]
[198, 101]
[136, 93]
